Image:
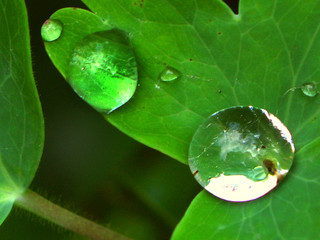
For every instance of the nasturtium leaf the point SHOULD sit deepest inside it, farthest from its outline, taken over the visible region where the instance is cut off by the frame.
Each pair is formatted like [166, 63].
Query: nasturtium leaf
[21, 120]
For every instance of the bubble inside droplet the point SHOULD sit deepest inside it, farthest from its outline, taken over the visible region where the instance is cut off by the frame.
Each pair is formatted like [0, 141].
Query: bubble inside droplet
[169, 74]
[103, 70]
[309, 89]
[51, 30]
[241, 153]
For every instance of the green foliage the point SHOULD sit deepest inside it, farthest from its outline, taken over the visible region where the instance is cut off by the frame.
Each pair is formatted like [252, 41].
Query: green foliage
[290, 211]
[225, 60]
[252, 59]
[21, 121]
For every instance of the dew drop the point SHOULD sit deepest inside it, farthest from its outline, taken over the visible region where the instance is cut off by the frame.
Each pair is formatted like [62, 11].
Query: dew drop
[103, 70]
[169, 74]
[241, 153]
[309, 89]
[51, 30]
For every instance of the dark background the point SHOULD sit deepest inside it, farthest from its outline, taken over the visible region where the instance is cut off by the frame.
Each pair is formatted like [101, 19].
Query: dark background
[90, 167]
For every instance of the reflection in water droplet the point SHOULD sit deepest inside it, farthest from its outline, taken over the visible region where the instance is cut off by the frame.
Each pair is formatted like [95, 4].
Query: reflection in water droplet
[241, 153]
[103, 70]
[309, 89]
[51, 30]
[169, 74]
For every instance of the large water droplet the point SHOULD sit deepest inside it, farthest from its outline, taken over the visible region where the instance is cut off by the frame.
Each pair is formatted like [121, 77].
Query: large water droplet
[309, 89]
[51, 30]
[240, 153]
[103, 70]
[169, 74]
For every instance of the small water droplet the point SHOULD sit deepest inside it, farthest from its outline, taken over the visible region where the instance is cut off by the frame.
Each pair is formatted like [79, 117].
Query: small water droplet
[309, 89]
[169, 74]
[51, 30]
[246, 149]
[103, 70]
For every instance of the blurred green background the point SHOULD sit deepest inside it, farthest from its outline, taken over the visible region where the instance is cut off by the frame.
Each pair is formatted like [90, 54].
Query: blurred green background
[90, 167]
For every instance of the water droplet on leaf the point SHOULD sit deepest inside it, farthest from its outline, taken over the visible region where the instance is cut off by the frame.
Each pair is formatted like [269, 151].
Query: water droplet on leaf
[309, 89]
[103, 70]
[51, 30]
[169, 74]
[241, 153]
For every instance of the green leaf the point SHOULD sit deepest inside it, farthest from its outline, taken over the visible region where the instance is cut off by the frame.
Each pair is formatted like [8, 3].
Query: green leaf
[77, 23]
[252, 58]
[260, 57]
[21, 121]
[291, 211]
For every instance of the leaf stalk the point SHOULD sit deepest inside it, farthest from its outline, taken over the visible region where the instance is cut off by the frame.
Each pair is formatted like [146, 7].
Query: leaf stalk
[46, 209]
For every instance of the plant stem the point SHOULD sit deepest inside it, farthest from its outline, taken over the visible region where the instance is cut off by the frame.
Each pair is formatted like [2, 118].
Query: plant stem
[42, 207]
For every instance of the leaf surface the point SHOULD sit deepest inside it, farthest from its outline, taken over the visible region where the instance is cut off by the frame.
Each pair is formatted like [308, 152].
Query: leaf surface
[260, 57]
[21, 121]
[291, 211]
[225, 60]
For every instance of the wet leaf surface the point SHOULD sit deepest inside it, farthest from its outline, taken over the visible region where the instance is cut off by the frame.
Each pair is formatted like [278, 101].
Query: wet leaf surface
[225, 60]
